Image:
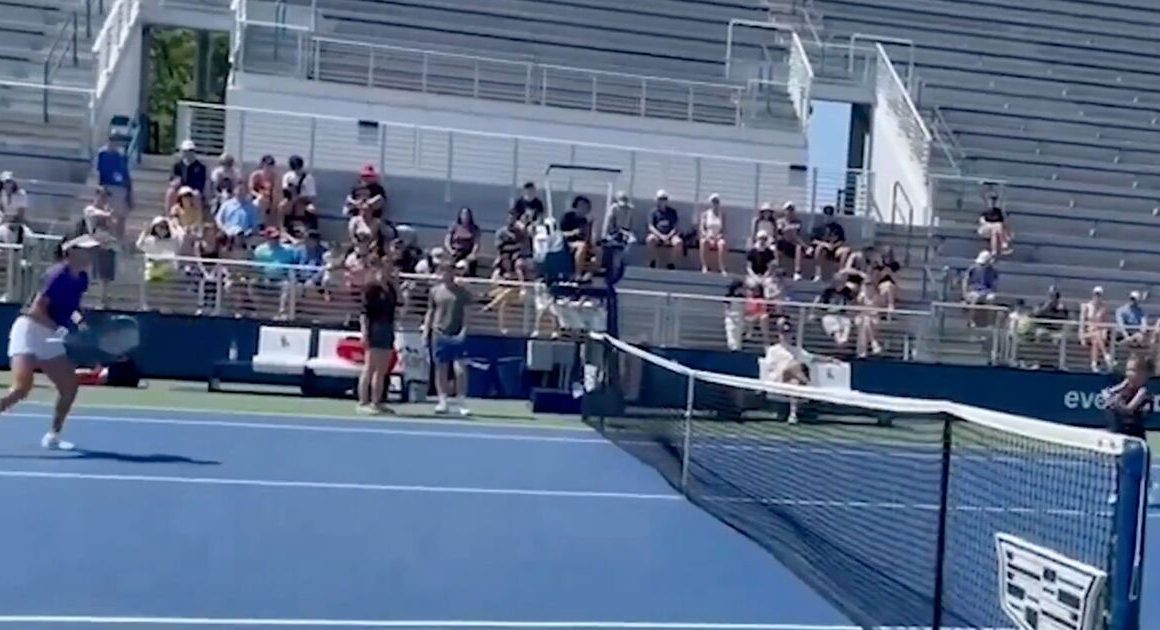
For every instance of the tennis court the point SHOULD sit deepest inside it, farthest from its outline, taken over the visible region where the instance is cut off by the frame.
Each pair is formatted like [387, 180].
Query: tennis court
[176, 518]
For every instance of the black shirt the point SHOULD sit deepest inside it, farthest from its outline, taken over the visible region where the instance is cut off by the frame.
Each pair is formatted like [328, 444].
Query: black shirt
[831, 232]
[760, 260]
[379, 303]
[993, 214]
[192, 174]
[512, 243]
[527, 211]
[1129, 422]
[836, 296]
[572, 221]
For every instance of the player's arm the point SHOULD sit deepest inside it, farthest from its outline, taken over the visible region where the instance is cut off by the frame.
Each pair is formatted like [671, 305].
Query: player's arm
[429, 316]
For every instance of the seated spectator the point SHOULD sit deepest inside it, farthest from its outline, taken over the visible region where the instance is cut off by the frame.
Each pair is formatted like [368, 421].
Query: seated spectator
[264, 188]
[993, 226]
[765, 221]
[711, 234]
[210, 248]
[299, 193]
[1050, 315]
[160, 245]
[756, 310]
[406, 249]
[760, 260]
[367, 193]
[312, 253]
[114, 174]
[462, 240]
[828, 243]
[1095, 330]
[576, 228]
[358, 265]
[13, 198]
[979, 285]
[860, 262]
[237, 214]
[883, 271]
[275, 258]
[225, 171]
[789, 239]
[868, 318]
[835, 299]
[364, 225]
[188, 173]
[14, 228]
[528, 208]
[619, 225]
[663, 234]
[1131, 322]
[186, 209]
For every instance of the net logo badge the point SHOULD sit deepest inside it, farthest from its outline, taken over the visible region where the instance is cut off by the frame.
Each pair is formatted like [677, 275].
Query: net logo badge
[1043, 590]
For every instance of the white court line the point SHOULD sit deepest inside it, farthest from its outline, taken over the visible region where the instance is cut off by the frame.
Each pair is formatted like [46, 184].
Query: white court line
[272, 426]
[326, 485]
[425, 623]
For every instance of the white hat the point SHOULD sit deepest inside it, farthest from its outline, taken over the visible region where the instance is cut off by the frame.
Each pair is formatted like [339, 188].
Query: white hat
[1135, 295]
[983, 258]
[188, 145]
[761, 234]
[1097, 289]
[7, 176]
[661, 194]
[766, 206]
[787, 205]
[184, 190]
[714, 197]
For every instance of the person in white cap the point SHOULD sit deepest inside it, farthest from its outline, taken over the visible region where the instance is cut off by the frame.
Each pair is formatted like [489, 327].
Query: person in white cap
[711, 234]
[188, 171]
[13, 199]
[979, 285]
[662, 232]
[1095, 330]
[765, 221]
[36, 339]
[1131, 322]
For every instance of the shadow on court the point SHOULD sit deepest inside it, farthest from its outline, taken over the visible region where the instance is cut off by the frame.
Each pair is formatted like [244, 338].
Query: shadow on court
[113, 456]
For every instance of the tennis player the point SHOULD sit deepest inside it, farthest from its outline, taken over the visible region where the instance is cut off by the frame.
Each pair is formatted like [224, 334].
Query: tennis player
[1130, 405]
[36, 340]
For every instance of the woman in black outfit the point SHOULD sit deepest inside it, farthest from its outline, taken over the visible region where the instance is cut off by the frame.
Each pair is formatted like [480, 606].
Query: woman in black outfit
[380, 299]
[1129, 401]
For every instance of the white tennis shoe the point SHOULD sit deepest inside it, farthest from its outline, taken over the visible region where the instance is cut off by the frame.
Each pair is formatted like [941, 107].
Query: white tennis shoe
[52, 442]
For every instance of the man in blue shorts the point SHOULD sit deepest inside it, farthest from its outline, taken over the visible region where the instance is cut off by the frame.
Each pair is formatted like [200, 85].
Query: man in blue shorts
[445, 329]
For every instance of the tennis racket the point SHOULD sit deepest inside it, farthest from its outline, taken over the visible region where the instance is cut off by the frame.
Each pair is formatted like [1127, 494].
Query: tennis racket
[106, 339]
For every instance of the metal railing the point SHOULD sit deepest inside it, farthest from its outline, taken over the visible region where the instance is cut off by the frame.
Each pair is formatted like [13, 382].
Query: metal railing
[455, 156]
[64, 47]
[278, 48]
[41, 98]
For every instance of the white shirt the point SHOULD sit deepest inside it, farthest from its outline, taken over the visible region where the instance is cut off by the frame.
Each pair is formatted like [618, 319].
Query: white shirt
[308, 189]
[779, 357]
[13, 201]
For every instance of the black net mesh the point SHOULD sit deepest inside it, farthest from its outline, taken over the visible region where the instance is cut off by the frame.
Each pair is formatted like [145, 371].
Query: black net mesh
[853, 499]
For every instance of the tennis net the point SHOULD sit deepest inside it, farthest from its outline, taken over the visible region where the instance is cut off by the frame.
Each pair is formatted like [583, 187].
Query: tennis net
[901, 512]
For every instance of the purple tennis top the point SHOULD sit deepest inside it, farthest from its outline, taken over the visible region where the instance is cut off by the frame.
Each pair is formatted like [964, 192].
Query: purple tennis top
[64, 291]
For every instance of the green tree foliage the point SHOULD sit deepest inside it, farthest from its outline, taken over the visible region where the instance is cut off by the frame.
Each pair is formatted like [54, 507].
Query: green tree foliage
[173, 62]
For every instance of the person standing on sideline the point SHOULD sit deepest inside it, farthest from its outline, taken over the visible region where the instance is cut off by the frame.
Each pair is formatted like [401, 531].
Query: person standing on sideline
[36, 339]
[380, 300]
[1130, 405]
[445, 328]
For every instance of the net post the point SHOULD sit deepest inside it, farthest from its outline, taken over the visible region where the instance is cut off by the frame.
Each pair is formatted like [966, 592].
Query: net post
[941, 537]
[1131, 516]
[688, 430]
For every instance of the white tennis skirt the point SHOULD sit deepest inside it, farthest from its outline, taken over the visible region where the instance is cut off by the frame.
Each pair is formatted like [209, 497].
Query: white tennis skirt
[28, 336]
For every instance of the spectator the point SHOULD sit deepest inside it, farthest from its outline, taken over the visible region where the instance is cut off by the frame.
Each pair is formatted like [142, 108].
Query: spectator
[380, 301]
[1050, 315]
[406, 249]
[237, 214]
[528, 208]
[368, 192]
[13, 229]
[13, 198]
[188, 172]
[883, 270]
[993, 225]
[225, 171]
[662, 232]
[275, 258]
[299, 192]
[1131, 323]
[789, 239]
[210, 247]
[766, 221]
[619, 225]
[760, 260]
[711, 234]
[264, 190]
[979, 285]
[828, 243]
[735, 315]
[756, 310]
[113, 173]
[835, 298]
[357, 265]
[1094, 330]
[364, 225]
[576, 228]
[513, 250]
[312, 253]
[868, 318]
[99, 219]
[160, 245]
[860, 262]
[462, 240]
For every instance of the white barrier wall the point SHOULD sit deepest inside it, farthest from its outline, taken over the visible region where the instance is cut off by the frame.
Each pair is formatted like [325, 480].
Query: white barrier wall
[899, 151]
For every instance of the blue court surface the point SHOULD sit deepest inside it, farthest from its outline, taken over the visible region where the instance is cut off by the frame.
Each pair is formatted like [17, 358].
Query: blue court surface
[195, 519]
